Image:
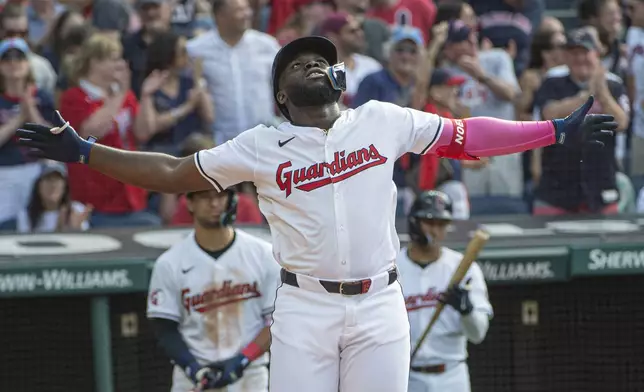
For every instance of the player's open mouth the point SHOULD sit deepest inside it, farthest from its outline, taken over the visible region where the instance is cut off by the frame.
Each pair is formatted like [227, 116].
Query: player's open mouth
[315, 74]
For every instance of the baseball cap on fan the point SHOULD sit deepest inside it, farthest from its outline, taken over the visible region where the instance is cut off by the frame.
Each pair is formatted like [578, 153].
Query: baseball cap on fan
[18, 44]
[581, 38]
[443, 77]
[334, 23]
[458, 31]
[407, 33]
[312, 44]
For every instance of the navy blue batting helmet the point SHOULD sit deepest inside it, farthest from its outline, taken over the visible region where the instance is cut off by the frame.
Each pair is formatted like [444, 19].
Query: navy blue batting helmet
[315, 44]
[428, 205]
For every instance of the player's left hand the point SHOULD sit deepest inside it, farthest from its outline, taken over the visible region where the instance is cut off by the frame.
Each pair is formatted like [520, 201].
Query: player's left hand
[231, 369]
[579, 127]
[458, 298]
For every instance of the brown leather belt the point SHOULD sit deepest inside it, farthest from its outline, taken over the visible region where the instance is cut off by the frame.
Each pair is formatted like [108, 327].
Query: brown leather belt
[345, 288]
[434, 369]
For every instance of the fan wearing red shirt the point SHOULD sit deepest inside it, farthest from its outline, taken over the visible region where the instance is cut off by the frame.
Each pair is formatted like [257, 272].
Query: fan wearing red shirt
[102, 105]
[418, 13]
[442, 99]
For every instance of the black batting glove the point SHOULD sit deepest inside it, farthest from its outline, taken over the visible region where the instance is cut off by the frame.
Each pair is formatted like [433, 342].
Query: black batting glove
[580, 127]
[458, 298]
[60, 143]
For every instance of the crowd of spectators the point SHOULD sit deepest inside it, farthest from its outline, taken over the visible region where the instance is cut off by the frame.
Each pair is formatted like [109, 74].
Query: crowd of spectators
[176, 76]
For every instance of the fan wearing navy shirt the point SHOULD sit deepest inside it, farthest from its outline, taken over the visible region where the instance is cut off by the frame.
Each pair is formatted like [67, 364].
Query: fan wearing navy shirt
[588, 183]
[20, 102]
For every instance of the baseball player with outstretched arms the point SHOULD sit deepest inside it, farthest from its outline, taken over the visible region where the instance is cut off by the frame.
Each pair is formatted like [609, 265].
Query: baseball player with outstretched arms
[426, 268]
[210, 300]
[324, 179]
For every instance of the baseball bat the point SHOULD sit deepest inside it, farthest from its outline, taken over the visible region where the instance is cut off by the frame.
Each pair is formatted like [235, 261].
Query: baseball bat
[471, 253]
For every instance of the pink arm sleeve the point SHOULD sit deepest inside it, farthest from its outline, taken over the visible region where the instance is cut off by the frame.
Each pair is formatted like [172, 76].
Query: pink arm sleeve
[486, 136]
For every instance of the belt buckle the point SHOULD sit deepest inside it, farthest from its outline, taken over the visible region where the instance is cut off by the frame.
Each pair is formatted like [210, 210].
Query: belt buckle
[342, 289]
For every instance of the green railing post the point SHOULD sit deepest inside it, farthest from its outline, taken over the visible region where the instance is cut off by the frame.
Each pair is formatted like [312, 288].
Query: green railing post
[102, 344]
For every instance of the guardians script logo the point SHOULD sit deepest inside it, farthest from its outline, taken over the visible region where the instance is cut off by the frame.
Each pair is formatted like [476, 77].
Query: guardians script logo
[214, 297]
[427, 300]
[343, 166]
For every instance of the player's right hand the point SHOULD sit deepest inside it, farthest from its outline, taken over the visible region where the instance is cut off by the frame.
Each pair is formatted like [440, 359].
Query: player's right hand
[60, 143]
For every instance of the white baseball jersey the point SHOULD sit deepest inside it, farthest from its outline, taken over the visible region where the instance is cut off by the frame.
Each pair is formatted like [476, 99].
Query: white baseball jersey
[221, 305]
[328, 197]
[421, 287]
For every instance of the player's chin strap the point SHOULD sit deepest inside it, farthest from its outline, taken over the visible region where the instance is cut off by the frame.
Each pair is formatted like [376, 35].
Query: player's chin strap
[338, 76]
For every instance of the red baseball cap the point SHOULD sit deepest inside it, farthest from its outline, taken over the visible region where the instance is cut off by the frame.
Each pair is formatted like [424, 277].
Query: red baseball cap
[334, 23]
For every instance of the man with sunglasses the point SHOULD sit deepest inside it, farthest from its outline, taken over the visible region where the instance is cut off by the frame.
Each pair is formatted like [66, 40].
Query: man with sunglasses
[14, 23]
[395, 84]
[376, 31]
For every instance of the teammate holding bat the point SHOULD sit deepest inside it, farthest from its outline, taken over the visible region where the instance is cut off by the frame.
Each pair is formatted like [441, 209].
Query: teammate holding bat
[425, 271]
[210, 300]
[324, 179]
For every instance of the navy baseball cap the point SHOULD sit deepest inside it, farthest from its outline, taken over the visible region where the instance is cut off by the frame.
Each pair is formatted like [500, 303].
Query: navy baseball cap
[444, 77]
[402, 33]
[581, 38]
[458, 31]
[313, 44]
[14, 43]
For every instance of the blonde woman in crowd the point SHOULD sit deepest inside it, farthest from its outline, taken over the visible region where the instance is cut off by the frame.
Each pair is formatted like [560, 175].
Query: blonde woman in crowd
[20, 102]
[101, 104]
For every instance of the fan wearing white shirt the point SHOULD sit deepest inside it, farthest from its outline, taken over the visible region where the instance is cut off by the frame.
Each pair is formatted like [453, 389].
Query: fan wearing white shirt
[237, 67]
[348, 36]
[50, 208]
[426, 268]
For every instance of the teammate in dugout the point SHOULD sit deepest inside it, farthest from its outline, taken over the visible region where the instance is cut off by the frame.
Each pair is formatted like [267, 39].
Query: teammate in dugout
[426, 268]
[210, 300]
[324, 180]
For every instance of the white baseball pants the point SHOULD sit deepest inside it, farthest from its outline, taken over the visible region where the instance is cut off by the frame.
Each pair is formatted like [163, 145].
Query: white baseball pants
[456, 378]
[324, 342]
[255, 379]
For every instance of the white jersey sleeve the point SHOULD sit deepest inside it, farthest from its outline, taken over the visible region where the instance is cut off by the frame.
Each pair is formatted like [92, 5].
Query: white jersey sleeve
[164, 293]
[230, 163]
[411, 130]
